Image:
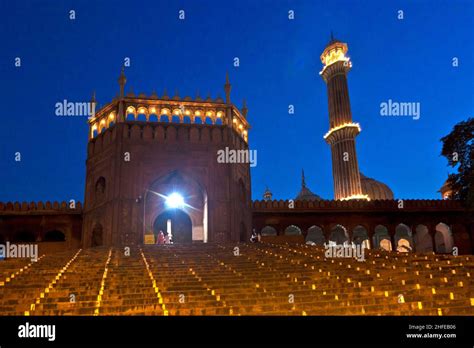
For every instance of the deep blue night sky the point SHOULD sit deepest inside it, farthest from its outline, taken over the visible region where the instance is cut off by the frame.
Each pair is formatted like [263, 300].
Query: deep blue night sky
[407, 60]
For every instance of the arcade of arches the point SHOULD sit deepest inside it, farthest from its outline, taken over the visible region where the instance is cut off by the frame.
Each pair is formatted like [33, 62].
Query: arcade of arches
[403, 239]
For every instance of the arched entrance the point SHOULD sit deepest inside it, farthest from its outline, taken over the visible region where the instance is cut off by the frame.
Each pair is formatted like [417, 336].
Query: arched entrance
[338, 235]
[175, 222]
[194, 204]
[316, 235]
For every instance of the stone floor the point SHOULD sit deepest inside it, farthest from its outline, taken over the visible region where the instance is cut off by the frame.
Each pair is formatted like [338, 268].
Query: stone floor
[236, 279]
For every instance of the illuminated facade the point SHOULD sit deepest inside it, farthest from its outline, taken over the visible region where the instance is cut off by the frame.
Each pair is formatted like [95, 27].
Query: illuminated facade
[342, 131]
[152, 165]
[348, 182]
[147, 151]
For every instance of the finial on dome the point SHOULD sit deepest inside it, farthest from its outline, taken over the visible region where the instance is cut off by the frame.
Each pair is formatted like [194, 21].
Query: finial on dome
[227, 88]
[122, 80]
[93, 105]
[267, 195]
[245, 110]
[303, 181]
[198, 96]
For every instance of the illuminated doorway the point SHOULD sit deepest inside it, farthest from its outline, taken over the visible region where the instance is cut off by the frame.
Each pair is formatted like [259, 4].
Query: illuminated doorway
[175, 223]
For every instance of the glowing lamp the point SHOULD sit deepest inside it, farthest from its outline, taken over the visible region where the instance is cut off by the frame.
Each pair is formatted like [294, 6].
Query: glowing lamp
[175, 200]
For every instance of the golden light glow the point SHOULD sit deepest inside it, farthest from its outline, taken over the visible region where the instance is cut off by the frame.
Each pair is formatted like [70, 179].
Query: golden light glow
[219, 114]
[155, 287]
[111, 116]
[241, 126]
[187, 112]
[164, 111]
[141, 110]
[234, 120]
[335, 55]
[102, 285]
[130, 110]
[153, 110]
[332, 130]
[51, 284]
[366, 197]
[197, 113]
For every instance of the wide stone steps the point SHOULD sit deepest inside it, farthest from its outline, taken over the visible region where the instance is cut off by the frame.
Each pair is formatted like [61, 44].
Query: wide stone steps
[210, 279]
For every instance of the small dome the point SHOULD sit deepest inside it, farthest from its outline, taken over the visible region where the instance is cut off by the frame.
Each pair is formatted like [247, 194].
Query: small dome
[267, 195]
[375, 189]
[305, 193]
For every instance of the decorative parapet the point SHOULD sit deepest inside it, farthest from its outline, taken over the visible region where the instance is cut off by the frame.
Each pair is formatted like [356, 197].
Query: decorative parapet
[173, 110]
[287, 206]
[159, 132]
[39, 207]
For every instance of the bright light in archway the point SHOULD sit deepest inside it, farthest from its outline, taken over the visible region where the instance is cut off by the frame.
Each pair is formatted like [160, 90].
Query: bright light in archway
[175, 200]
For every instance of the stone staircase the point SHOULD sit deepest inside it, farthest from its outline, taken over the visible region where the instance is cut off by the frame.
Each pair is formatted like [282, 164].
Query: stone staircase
[240, 279]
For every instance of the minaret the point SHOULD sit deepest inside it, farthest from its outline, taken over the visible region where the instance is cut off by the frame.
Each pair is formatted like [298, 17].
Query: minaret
[342, 131]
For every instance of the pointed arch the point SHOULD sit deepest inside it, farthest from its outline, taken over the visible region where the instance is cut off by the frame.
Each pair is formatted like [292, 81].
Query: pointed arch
[403, 238]
[360, 236]
[422, 238]
[292, 230]
[381, 238]
[443, 239]
[316, 235]
[338, 235]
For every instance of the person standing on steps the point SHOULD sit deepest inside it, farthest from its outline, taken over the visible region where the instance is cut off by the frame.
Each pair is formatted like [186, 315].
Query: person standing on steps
[161, 238]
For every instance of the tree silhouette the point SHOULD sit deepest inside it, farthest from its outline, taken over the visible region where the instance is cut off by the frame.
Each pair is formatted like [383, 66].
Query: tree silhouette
[458, 148]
